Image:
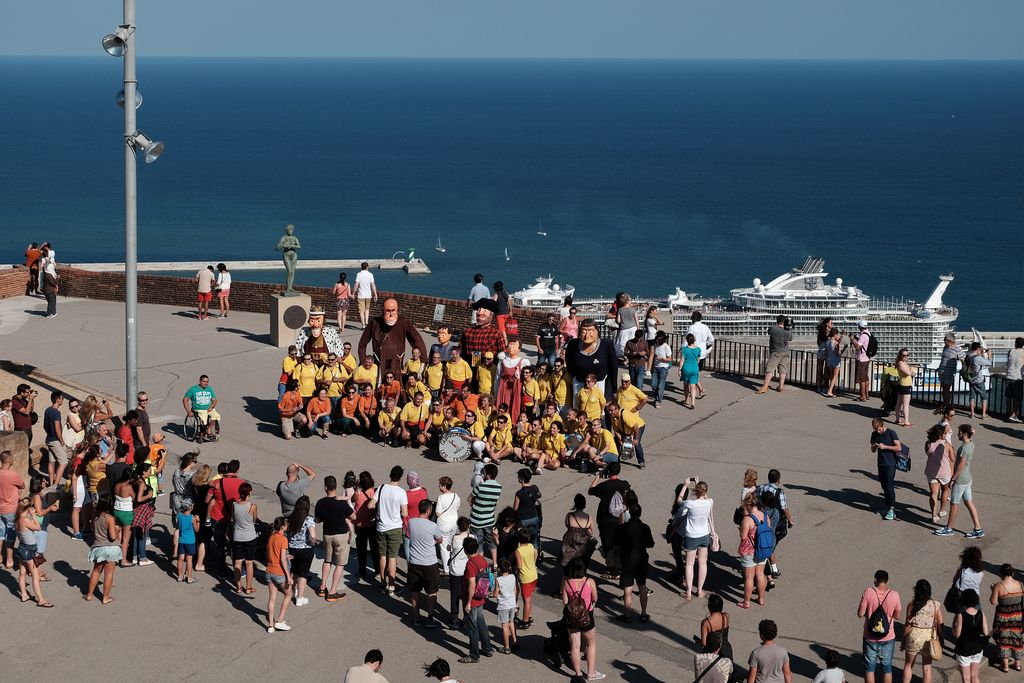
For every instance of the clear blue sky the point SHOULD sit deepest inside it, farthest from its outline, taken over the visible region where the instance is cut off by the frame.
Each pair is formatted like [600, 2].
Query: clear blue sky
[744, 29]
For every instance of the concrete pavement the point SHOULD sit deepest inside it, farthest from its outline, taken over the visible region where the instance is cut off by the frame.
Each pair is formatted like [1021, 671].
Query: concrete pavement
[203, 632]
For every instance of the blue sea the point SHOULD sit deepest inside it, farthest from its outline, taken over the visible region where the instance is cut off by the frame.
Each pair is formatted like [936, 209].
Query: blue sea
[647, 175]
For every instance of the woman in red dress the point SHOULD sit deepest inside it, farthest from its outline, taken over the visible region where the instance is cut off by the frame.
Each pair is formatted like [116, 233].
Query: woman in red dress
[510, 383]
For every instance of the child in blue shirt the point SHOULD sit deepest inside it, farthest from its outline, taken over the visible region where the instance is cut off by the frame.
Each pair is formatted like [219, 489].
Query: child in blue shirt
[188, 525]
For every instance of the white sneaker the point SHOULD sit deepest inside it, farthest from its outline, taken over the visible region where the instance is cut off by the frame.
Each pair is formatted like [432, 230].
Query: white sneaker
[270, 629]
[145, 563]
[538, 471]
[299, 602]
[282, 626]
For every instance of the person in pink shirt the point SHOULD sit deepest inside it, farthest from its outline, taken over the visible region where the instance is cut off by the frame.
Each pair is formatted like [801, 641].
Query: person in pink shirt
[11, 486]
[879, 641]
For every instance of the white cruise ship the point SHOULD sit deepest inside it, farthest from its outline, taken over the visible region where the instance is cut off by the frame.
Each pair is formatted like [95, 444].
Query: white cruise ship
[803, 296]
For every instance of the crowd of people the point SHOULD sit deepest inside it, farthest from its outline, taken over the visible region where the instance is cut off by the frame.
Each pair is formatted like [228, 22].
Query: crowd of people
[559, 412]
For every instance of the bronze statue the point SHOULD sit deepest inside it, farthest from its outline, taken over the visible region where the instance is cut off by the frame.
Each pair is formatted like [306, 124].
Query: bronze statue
[289, 247]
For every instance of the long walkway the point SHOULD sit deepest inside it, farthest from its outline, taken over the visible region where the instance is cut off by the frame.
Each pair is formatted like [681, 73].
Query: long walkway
[159, 628]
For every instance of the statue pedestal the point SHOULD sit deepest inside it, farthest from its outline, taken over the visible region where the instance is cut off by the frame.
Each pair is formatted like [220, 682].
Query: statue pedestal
[288, 315]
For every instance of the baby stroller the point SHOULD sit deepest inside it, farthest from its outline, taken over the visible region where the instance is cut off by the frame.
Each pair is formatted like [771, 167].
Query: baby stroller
[556, 647]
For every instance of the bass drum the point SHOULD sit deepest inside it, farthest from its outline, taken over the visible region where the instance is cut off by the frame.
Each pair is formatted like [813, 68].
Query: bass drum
[573, 441]
[453, 445]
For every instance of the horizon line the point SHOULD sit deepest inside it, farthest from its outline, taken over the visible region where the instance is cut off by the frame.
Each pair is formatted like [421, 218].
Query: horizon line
[535, 58]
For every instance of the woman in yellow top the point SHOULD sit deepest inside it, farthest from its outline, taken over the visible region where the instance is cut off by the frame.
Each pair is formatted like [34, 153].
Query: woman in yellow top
[435, 420]
[458, 370]
[96, 471]
[451, 419]
[305, 373]
[367, 373]
[554, 447]
[906, 387]
[413, 366]
[590, 399]
[485, 375]
[530, 391]
[387, 422]
[485, 412]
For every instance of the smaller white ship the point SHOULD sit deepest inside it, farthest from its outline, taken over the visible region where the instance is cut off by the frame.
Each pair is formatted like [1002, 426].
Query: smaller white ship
[680, 301]
[440, 247]
[507, 257]
[540, 230]
[542, 294]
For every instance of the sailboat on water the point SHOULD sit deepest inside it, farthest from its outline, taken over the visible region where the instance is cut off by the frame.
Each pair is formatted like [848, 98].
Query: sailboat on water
[507, 257]
[540, 229]
[440, 247]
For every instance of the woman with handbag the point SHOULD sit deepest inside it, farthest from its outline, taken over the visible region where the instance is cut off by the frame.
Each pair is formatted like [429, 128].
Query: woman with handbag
[922, 634]
[938, 471]
[26, 527]
[578, 540]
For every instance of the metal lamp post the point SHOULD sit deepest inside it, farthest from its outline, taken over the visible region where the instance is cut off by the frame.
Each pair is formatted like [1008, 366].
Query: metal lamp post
[121, 43]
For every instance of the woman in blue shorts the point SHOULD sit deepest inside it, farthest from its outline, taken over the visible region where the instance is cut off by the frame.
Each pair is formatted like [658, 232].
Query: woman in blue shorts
[689, 370]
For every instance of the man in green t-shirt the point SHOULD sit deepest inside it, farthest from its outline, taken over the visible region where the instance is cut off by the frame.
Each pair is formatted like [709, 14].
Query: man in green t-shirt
[201, 400]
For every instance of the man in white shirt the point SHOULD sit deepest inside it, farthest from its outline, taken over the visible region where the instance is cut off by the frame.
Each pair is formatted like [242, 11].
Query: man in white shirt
[392, 505]
[704, 341]
[366, 291]
[204, 290]
[478, 292]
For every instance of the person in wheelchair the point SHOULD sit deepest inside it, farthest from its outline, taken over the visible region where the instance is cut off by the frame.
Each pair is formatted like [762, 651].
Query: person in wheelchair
[200, 403]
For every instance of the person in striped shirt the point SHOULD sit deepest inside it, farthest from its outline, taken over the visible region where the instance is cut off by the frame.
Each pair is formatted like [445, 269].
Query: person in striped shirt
[483, 502]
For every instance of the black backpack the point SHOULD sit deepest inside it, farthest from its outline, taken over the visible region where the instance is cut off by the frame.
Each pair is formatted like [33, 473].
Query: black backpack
[872, 349]
[878, 622]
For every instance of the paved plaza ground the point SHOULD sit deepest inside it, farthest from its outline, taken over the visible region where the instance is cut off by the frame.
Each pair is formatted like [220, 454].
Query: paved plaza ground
[161, 630]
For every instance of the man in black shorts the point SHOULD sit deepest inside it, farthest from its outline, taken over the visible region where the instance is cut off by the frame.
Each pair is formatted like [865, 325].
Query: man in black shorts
[424, 537]
[632, 540]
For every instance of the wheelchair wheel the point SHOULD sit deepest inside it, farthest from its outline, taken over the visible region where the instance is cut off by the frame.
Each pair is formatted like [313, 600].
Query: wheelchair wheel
[191, 428]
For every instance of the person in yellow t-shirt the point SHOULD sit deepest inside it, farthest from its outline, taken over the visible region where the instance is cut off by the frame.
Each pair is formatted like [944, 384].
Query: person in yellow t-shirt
[590, 399]
[574, 422]
[485, 375]
[435, 421]
[305, 372]
[332, 377]
[554, 448]
[451, 419]
[367, 373]
[412, 387]
[561, 385]
[627, 423]
[531, 449]
[499, 443]
[630, 398]
[347, 359]
[413, 422]
[413, 366]
[287, 370]
[476, 436]
[600, 446]
[544, 385]
[458, 371]
[433, 376]
[550, 416]
[387, 423]
[485, 412]
[530, 391]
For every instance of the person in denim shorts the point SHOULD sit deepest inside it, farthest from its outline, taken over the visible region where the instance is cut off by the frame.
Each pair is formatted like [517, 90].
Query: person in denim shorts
[878, 647]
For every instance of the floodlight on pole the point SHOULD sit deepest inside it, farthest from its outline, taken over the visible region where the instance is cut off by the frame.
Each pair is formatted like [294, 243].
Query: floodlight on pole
[116, 43]
[151, 149]
[120, 98]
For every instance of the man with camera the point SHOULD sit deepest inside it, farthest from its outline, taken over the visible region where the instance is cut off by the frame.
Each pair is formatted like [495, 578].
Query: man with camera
[779, 336]
[22, 408]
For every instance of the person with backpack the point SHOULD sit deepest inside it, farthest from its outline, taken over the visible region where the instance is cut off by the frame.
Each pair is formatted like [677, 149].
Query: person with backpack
[608, 491]
[880, 608]
[785, 517]
[886, 444]
[579, 597]
[633, 539]
[972, 372]
[757, 543]
[865, 345]
[476, 586]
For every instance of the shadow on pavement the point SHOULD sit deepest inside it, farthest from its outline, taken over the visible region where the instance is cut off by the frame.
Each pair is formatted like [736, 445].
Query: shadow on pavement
[866, 502]
[857, 409]
[264, 410]
[633, 673]
[76, 578]
[246, 334]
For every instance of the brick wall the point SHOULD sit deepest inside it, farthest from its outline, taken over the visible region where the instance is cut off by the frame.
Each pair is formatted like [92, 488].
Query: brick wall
[253, 297]
[12, 282]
